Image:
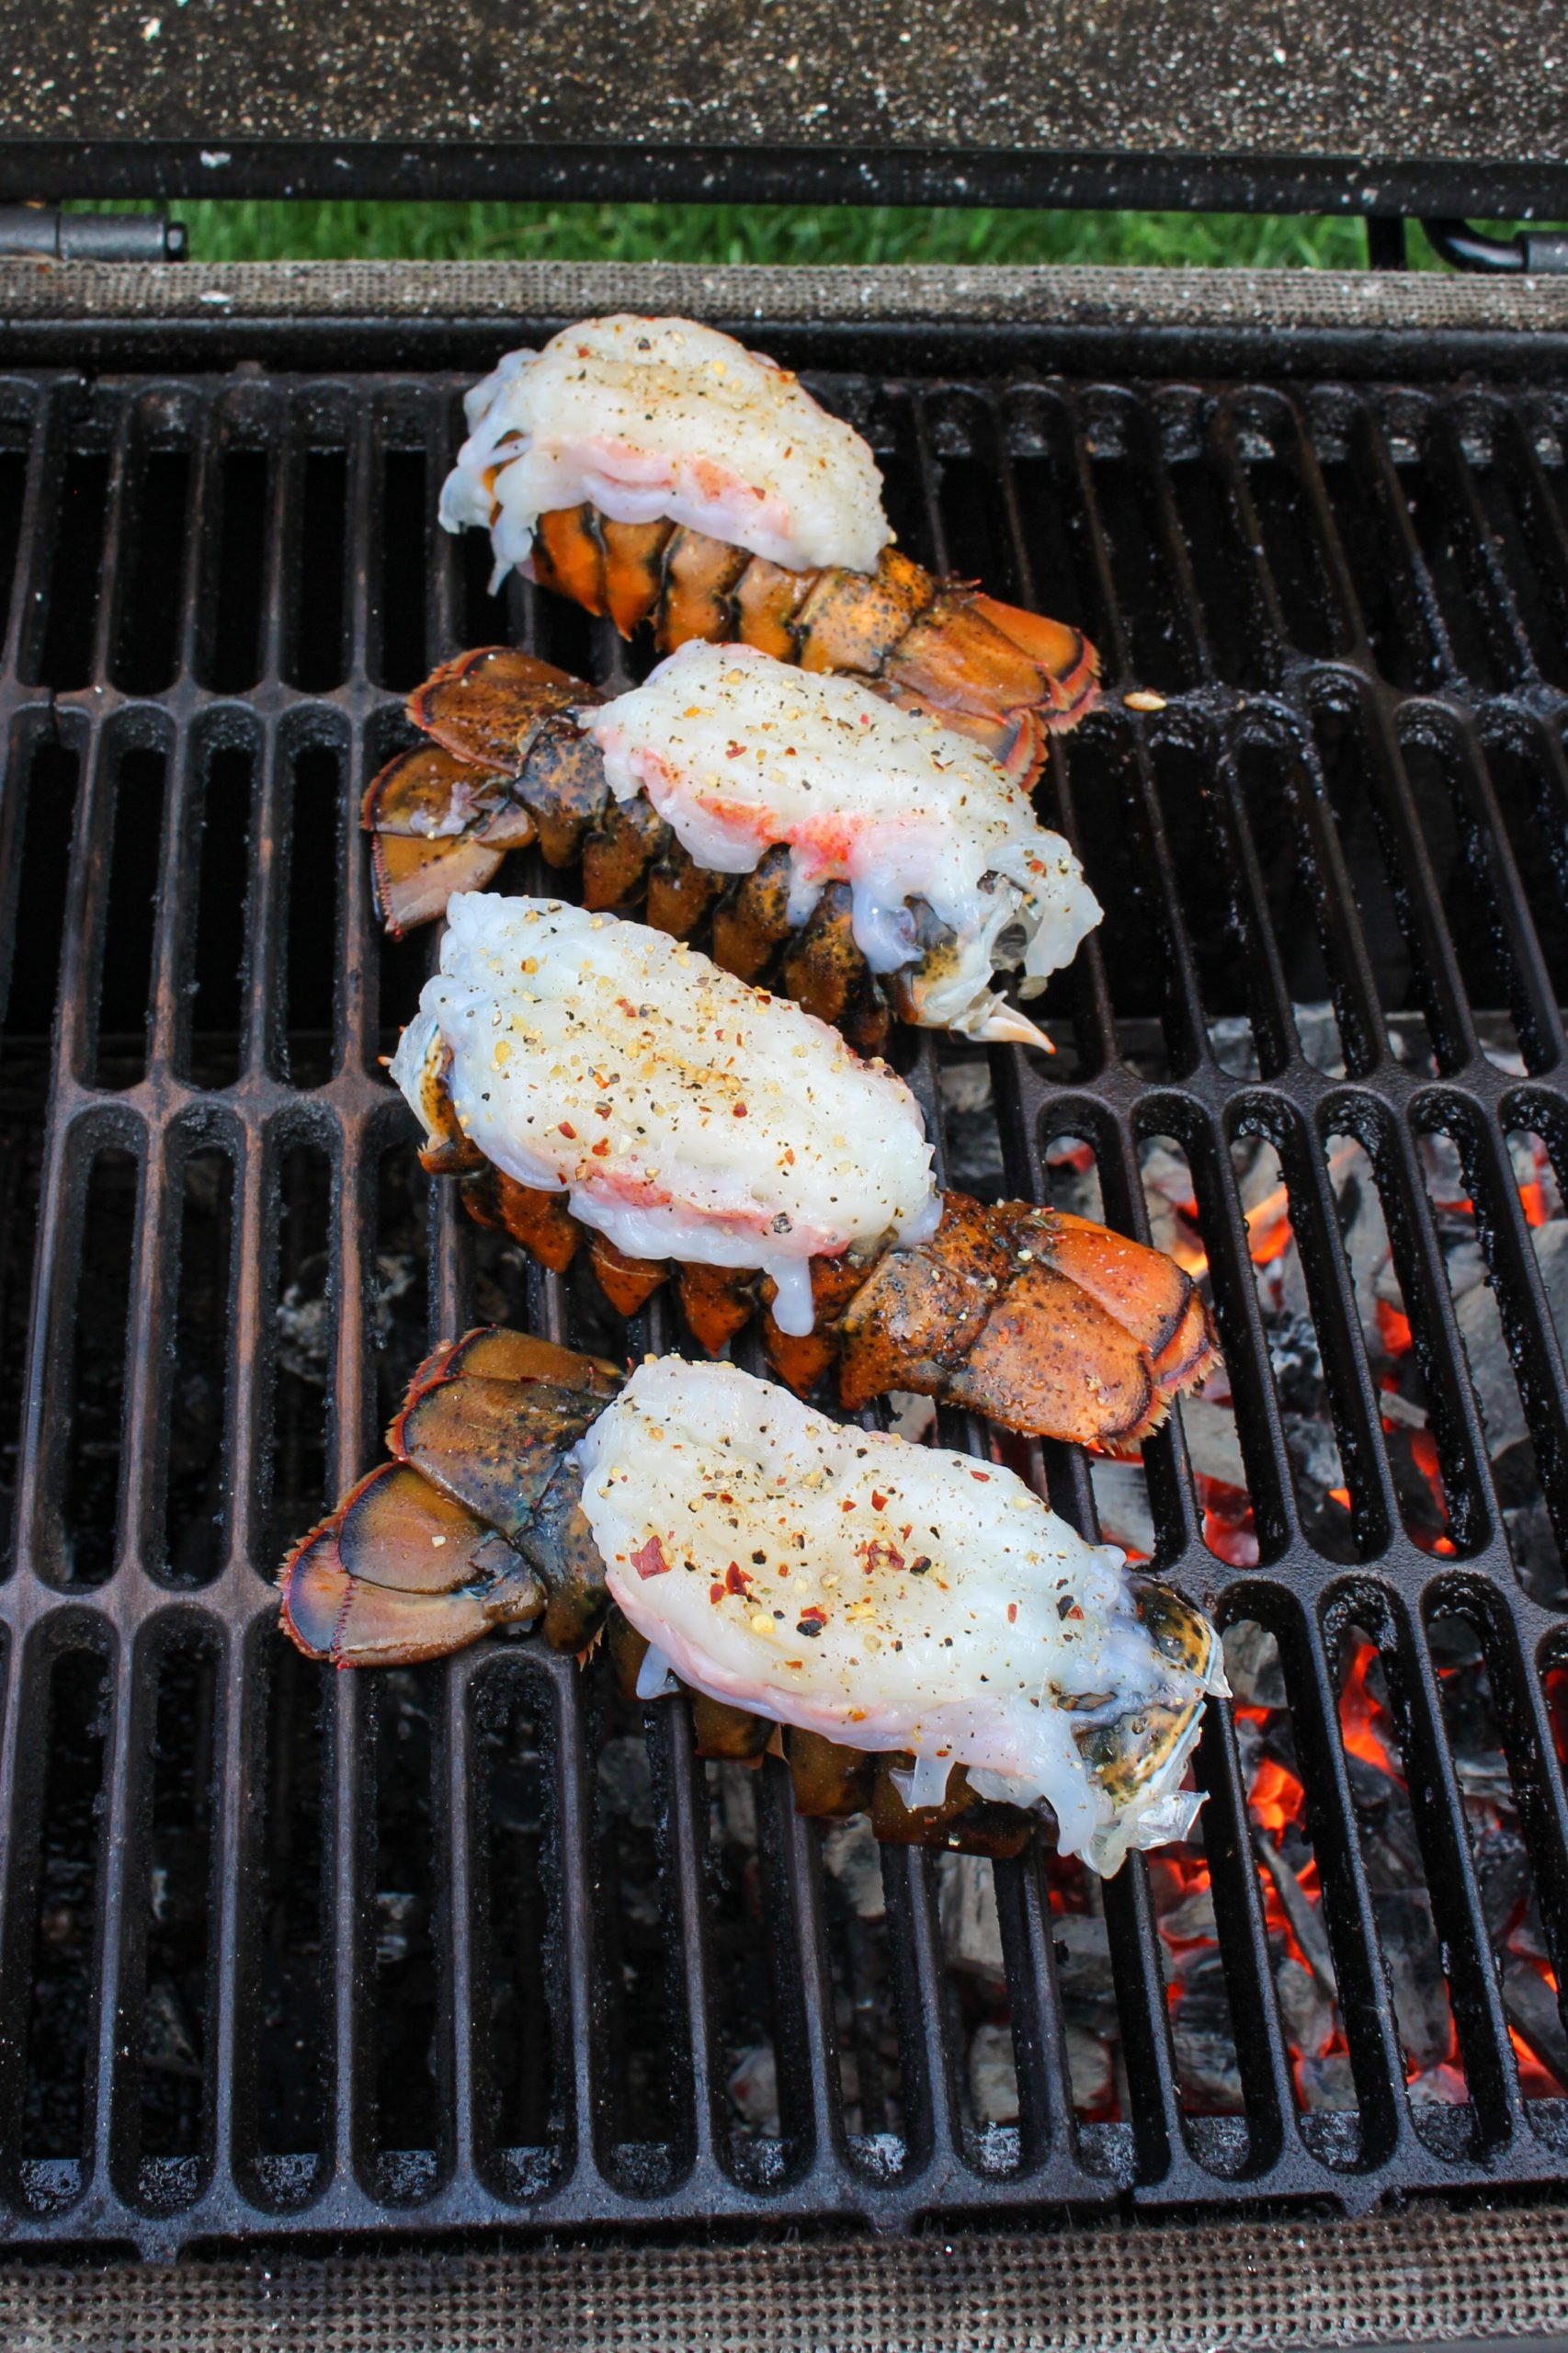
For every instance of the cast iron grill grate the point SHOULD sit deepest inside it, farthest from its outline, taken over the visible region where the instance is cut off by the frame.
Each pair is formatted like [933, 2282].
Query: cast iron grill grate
[283, 1951]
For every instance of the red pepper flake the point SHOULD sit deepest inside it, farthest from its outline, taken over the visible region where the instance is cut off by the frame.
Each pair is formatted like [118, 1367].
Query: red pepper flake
[651, 1562]
[715, 1594]
[983, 1477]
[847, 1504]
[736, 1580]
[567, 1129]
[740, 1110]
[599, 1149]
[878, 1503]
[1012, 1613]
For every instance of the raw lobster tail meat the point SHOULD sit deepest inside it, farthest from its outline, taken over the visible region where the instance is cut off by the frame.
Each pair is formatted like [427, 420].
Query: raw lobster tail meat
[588, 1084]
[870, 859]
[654, 471]
[940, 1648]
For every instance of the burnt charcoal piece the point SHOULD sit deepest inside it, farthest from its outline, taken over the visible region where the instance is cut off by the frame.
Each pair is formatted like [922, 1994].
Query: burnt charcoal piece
[1204, 2038]
[1420, 1997]
[1536, 2016]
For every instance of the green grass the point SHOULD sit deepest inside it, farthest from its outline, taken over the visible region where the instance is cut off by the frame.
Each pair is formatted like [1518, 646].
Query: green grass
[734, 233]
[769, 233]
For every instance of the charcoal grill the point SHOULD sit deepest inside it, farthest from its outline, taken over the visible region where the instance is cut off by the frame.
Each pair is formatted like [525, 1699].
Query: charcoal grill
[291, 1957]
[297, 1952]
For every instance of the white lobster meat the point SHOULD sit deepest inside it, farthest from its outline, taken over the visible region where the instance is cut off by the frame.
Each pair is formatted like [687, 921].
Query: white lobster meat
[661, 418]
[895, 1596]
[685, 1115]
[738, 752]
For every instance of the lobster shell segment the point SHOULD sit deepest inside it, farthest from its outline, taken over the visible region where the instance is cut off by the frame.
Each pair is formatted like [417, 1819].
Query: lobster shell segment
[1044, 1322]
[487, 706]
[395, 1529]
[494, 1445]
[475, 1522]
[344, 1618]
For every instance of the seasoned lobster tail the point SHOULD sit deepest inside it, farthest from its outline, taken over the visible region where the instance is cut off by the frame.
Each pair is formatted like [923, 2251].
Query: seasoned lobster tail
[516, 755]
[654, 471]
[586, 1083]
[529, 1485]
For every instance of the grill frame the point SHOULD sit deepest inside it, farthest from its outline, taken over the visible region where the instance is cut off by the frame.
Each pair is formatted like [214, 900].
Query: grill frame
[1162, 2158]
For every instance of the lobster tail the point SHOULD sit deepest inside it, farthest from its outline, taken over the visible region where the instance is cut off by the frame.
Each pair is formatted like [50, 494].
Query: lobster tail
[506, 764]
[1042, 1322]
[488, 1516]
[517, 754]
[1047, 1323]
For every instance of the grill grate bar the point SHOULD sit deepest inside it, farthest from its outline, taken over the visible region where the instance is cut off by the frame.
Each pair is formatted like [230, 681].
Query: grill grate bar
[579, 1993]
[1490, 589]
[1416, 590]
[1456, 1425]
[1365, 2001]
[819, 2057]
[1536, 1016]
[1353, 1397]
[1156, 2102]
[1460, 1919]
[1249, 1962]
[675, 1769]
[1526, 1315]
[457, 1768]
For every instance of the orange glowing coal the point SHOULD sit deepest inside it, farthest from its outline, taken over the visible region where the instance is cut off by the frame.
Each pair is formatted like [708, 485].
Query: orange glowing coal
[1393, 1329]
[1277, 1796]
[1533, 1201]
[1357, 1710]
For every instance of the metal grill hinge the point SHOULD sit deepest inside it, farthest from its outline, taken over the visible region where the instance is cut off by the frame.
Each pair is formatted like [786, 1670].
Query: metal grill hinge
[47, 233]
[1532, 253]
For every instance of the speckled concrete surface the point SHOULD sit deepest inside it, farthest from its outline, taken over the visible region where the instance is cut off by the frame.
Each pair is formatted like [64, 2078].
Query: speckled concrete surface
[1417, 305]
[1471, 80]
